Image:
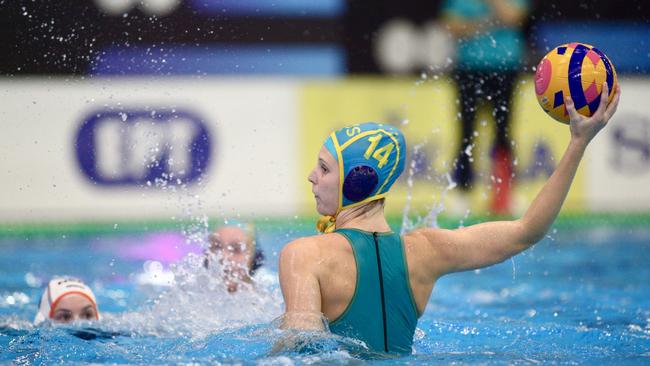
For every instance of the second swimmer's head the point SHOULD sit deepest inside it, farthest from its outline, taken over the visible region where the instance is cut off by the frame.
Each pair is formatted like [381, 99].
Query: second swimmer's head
[235, 247]
[357, 164]
[67, 299]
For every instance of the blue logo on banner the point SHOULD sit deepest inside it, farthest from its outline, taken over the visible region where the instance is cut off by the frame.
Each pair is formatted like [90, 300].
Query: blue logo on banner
[143, 147]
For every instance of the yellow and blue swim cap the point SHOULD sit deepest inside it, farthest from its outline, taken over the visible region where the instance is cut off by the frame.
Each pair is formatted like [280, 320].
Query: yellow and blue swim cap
[371, 157]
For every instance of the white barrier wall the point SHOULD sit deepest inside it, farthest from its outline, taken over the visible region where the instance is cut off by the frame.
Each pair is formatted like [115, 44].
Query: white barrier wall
[126, 148]
[136, 129]
[618, 160]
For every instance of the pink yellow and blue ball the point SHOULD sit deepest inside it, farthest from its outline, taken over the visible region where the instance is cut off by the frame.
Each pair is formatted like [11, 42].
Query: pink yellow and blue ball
[577, 70]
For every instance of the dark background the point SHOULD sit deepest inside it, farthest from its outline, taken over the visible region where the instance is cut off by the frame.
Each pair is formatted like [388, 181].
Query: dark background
[64, 37]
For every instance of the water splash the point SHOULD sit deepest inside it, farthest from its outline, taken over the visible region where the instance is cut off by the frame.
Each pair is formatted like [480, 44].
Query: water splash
[431, 219]
[407, 224]
[200, 304]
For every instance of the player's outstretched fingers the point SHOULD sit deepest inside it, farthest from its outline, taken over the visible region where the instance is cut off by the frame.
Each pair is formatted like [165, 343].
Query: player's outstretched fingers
[571, 109]
[604, 97]
[611, 107]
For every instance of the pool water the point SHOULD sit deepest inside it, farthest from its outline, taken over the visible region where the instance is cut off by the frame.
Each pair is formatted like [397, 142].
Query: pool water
[577, 297]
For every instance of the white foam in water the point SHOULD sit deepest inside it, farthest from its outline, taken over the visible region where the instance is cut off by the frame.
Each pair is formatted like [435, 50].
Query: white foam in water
[199, 304]
[154, 274]
[16, 322]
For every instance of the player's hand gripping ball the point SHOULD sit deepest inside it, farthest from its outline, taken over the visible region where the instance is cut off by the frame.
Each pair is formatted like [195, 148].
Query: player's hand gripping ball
[577, 70]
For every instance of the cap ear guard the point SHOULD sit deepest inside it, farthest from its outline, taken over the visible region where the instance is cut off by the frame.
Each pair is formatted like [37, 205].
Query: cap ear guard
[43, 308]
[360, 183]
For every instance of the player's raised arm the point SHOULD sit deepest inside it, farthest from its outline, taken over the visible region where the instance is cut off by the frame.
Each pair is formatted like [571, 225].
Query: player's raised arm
[493, 242]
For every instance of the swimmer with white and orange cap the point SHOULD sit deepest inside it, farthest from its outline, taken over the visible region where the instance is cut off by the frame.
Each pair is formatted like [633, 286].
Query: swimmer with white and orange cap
[66, 300]
[373, 284]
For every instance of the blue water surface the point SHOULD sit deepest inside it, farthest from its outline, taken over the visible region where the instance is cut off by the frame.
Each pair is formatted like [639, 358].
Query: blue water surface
[577, 297]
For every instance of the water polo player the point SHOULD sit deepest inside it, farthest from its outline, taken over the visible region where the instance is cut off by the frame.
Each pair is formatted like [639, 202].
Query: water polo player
[235, 247]
[65, 300]
[370, 283]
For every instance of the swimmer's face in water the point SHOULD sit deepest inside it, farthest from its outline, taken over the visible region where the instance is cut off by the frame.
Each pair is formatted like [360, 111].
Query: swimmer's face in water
[324, 180]
[236, 253]
[73, 307]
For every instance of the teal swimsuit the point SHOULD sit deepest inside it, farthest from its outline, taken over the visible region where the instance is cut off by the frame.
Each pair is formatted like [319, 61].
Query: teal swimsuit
[382, 312]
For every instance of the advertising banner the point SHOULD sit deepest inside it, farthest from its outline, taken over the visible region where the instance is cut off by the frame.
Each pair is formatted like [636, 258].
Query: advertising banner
[619, 160]
[144, 148]
[176, 147]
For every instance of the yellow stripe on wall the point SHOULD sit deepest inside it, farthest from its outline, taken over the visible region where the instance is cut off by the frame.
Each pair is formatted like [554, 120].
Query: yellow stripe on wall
[427, 114]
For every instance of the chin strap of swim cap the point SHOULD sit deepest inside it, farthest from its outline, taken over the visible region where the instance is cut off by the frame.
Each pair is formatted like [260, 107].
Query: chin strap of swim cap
[326, 224]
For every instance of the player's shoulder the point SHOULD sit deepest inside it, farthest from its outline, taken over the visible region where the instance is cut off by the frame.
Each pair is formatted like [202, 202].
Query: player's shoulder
[312, 246]
[425, 237]
[301, 242]
[303, 247]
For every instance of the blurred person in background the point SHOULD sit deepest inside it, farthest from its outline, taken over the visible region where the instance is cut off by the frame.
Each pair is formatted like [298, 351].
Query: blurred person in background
[66, 300]
[490, 50]
[234, 247]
